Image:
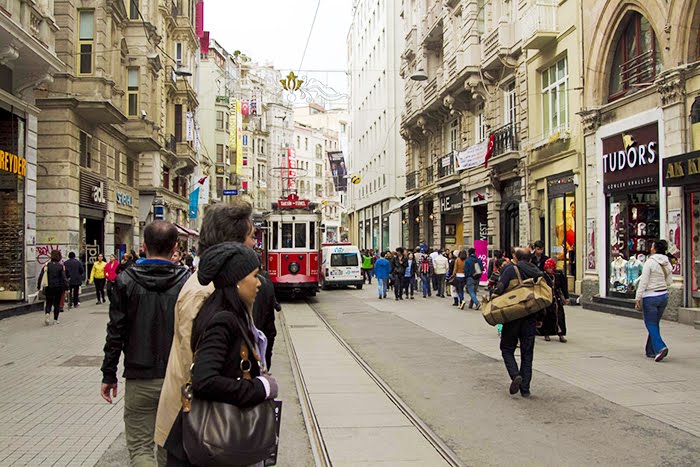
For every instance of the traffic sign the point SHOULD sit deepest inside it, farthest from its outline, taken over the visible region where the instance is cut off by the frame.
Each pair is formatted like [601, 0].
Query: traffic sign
[230, 192]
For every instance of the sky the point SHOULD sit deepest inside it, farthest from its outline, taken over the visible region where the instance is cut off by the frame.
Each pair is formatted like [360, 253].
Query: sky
[277, 31]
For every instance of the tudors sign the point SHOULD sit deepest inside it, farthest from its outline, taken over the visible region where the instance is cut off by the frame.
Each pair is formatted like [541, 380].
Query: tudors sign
[93, 191]
[682, 170]
[631, 159]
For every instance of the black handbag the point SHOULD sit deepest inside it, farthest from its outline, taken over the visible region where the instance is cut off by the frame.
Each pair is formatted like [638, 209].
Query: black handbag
[217, 434]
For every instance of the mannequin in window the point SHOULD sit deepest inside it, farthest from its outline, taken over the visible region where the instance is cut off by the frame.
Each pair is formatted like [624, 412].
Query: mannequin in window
[634, 271]
[618, 271]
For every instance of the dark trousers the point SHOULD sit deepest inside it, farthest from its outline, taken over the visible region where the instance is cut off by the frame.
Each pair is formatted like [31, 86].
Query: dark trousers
[74, 294]
[268, 352]
[367, 275]
[53, 300]
[522, 330]
[439, 284]
[108, 287]
[100, 288]
[397, 285]
[436, 285]
[425, 279]
[407, 284]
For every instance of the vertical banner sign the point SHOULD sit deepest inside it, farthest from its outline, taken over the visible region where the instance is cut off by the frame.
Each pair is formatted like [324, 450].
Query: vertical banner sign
[239, 138]
[189, 120]
[482, 252]
[232, 128]
[291, 169]
[338, 169]
[590, 245]
[194, 203]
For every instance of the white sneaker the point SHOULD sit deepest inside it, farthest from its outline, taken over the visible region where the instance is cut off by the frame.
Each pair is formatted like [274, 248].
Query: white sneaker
[56, 321]
[47, 319]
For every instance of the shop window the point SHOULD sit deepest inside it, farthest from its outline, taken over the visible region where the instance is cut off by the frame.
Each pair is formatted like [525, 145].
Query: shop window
[86, 41]
[637, 58]
[219, 119]
[134, 9]
[85, 150]
[166, 177]
[694, 221]
[562, 232]
[634, 225]
[130, 172]
[132, 92]
[219, 153]
[555, 98]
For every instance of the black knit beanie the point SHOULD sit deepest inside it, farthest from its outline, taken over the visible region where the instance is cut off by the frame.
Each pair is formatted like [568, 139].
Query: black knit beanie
[226, 263]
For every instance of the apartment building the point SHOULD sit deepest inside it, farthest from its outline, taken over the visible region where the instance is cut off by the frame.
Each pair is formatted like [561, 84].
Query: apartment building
[27, 62]
[376, 150]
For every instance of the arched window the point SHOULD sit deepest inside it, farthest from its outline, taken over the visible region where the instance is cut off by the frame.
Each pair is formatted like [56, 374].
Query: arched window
[637, 57]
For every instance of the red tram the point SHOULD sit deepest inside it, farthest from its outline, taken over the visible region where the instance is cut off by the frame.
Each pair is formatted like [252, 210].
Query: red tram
[292, 249]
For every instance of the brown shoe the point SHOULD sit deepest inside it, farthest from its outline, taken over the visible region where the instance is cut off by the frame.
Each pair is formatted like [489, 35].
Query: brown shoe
[562, 339]
[547, 338]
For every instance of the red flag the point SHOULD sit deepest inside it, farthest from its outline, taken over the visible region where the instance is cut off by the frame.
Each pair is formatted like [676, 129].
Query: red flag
[489, 150]
[202, 180]
[245, 108]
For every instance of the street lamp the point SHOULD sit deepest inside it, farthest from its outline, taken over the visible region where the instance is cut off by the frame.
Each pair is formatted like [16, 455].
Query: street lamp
[419, 75]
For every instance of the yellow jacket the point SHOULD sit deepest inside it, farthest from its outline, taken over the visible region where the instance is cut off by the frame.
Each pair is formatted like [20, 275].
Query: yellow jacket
[192, 297]
[98, 270]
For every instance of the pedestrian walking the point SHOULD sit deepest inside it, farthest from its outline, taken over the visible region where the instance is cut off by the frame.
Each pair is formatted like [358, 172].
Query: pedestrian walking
[554, 322]
[459, 277]
[141, 325]
[409, 276]
[221, 223]
[497, 254]
[398, 269]
[426, 274]
[177, 258]
[76, 276]
[264, 309]
[440, 268]
[382, 270]
[53, 280]
[221, 332]
[652, 297]
[111, 275]
[474, 269]
[366, 267]
[538, 257]
[97, 275]
[521, 330]
[126, 262]
[493, 282]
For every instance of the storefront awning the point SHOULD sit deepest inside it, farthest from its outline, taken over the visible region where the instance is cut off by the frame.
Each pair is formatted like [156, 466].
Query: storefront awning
[184, 231]
[405, 201]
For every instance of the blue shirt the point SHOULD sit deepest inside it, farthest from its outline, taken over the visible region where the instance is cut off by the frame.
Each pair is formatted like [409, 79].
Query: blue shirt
[382, 268]
[409, 269]
[153, 261]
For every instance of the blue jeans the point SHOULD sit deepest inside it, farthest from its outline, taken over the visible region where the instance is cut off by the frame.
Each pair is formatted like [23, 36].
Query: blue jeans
[459, 285]
[653, 308]
[472, 285]
[425, 280]
[382, 286]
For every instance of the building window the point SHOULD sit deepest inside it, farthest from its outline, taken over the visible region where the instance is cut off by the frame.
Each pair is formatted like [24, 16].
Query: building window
[555, 98]
[178, 53]
[452, 137]
[319, 170]
[219, 153]
[133, 9]
[86, 41]
[319, 151]
[166, 178]
[480, 123]
[219, 120]
[306, 144]
[85, 150]
[117, 166]
[219, 186]
[637, 57]
[130, 172]
[298, 142]
[132, 92]
[510, 101]
[178, 123]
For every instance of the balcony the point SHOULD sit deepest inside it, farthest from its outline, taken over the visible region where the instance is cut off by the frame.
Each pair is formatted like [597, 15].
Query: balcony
[430, 91]
[432, 18]
[539, 24]
[411, 43]
[430, 175]
[497, 44]
[505, 140]
[446, 165]
[412, 180]
[185, 153]
[170, 143]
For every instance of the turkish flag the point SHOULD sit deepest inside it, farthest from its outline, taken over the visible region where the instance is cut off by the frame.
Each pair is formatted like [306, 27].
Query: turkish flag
[245, 108]
[489, 150]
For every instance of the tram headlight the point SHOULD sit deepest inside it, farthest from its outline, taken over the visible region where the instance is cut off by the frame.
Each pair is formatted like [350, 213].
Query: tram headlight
[293, 268]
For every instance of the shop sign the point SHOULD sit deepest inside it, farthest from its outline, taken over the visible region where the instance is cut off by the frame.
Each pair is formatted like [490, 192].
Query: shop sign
[560, 185]
[631, 159]
[220, 171]
[293, 202]
[682, 170]
[125, 200]
[451, 201]
[13, 164]
[93, 191]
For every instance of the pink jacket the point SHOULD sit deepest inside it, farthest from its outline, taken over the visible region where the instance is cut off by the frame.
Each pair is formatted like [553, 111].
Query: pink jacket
[111, 270]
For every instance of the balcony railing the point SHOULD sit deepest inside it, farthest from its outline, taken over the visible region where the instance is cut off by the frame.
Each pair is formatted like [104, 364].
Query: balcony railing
[412, 180]
[430, 92]
[505, 139]
[539, 24]
[637, 70]
[429, 175]
[170, 143]
[446, 165]
[497, 43]
[411, 43]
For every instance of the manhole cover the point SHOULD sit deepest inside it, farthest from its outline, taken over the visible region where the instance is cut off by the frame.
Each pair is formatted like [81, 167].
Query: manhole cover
[83, 361]
[303, 326]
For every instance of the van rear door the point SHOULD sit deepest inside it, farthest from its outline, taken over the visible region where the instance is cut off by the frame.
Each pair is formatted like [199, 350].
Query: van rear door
[344, 266]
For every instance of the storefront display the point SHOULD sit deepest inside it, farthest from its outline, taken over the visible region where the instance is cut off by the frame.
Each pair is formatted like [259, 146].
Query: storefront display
[452, 231]
[12, 206]
[630, 179]
[562, 222]
[510, 215]
[93, 206]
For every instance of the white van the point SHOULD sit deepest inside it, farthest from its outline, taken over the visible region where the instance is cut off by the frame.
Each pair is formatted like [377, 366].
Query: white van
[341, 265]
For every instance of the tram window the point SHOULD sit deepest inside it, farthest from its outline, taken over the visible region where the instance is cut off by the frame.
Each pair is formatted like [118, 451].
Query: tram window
[287, 240]
[344, 259]
[275, 236]
[312, 235]
[300, 235]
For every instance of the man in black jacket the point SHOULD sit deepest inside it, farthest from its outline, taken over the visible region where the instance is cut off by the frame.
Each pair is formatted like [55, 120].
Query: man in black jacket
[398, 268]
[537, 257]
[141, 324]
[76, 275]
[523, 329]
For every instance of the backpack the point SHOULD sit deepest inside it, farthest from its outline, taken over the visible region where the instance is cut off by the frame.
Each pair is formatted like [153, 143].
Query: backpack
[478, 269]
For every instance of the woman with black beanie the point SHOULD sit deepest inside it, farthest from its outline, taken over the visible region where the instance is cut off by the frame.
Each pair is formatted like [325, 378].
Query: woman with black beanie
[217, 336]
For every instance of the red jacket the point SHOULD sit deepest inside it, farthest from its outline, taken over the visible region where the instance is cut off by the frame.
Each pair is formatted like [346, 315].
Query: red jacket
[111, 270]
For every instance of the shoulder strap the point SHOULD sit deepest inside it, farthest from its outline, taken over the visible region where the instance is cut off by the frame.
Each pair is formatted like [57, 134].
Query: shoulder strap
[517, 274]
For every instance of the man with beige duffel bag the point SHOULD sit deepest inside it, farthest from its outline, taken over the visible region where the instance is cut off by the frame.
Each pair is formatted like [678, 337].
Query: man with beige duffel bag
[520, 299]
